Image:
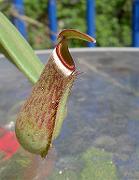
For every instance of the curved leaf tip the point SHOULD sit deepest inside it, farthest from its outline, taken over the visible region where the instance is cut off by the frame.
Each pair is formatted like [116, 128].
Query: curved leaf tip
[72, 33]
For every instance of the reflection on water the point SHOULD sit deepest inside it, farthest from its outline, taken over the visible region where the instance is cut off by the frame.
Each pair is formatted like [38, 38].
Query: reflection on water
[100, 136]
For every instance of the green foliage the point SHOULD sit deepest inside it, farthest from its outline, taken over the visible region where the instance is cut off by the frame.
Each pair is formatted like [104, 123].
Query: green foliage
[113, 21]
[5, 7]
[38, 36]
[15, 48]
[36, 9]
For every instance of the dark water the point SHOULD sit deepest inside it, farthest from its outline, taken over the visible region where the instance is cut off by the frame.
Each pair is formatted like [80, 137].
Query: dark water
[100, 136]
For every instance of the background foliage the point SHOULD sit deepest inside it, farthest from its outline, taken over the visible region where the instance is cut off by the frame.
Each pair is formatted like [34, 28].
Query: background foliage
[113, 21]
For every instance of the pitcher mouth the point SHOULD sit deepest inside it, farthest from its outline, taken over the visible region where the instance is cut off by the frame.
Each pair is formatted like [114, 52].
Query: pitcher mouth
[64, 55]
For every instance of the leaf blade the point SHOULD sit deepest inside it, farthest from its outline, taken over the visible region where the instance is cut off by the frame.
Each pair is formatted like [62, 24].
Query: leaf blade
[15, 47]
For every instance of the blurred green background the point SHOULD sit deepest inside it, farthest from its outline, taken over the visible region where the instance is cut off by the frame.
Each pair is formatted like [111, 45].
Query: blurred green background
[113, 21]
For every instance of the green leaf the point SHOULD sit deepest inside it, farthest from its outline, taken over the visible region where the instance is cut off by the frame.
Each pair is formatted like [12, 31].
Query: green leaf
[16, 49]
